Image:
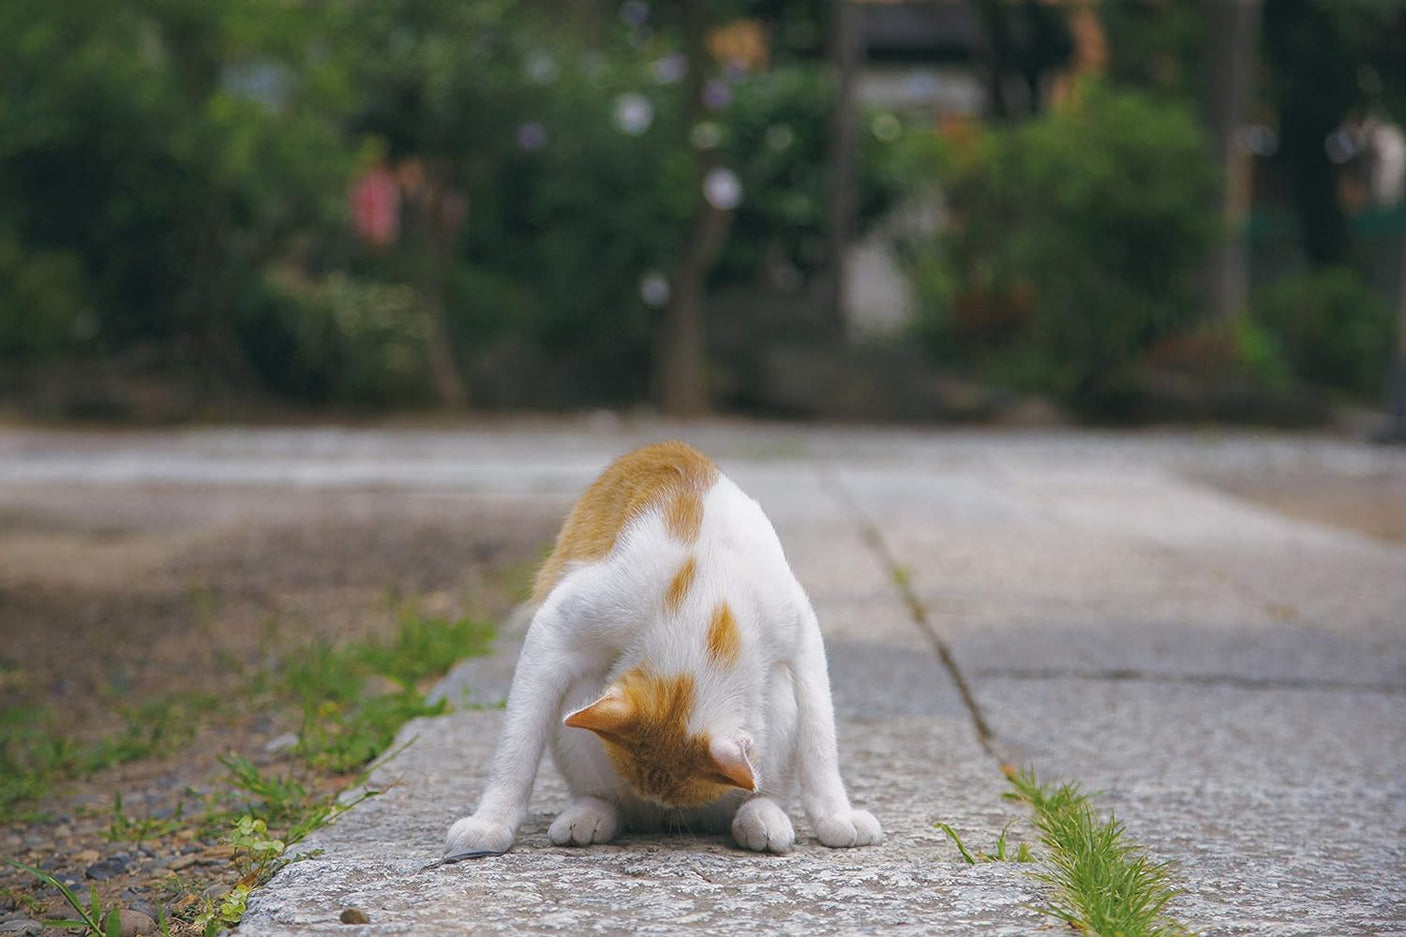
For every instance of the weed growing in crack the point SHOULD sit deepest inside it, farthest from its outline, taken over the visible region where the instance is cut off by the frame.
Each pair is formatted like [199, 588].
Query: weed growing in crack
[1001, 853]
[1103, 883]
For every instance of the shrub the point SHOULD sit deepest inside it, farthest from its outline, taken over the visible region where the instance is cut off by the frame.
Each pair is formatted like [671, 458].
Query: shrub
[44, 306]
[1334, 330]
[1074, 244]
[339, 339]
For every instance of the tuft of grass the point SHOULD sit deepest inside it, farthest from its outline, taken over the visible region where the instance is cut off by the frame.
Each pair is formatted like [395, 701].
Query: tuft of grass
[34, 754]
[1103, 883]
[92, 917]
[281, 814]
[128, 828]
[1001, 853]
[355, 697]
[422, 648]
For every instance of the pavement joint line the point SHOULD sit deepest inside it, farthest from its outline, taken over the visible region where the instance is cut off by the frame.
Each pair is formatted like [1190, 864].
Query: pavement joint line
[873, 538]
[1231, 681]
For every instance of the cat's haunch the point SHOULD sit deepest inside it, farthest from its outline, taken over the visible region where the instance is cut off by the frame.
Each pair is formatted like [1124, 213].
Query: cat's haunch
[676, 668]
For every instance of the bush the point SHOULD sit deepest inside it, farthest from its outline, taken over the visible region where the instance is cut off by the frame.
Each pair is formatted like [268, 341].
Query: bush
[1074, 245]
[44, 306]
[1334, 330]
[339, 339]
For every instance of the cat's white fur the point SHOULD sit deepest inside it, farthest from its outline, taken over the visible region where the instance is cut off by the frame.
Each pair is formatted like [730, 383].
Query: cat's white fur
[605, 617]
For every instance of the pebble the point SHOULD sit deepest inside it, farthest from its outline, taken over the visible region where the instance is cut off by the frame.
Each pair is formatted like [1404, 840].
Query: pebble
[106, 869]
[21, 927]
[87, 856]
[135, 923]
[181, 862]
[355, 916]
[282, 743]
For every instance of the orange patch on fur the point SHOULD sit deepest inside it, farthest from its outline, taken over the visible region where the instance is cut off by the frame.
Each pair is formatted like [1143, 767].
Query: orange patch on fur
[724, 640]
[669, 475]
[680, 584]
[655, 753]
[684, 516]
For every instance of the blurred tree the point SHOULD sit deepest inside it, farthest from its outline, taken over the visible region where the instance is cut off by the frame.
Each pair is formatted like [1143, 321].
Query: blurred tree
[1230, 57]
[1076, 239]
[1156, 46]
[680, 373]
[161, 150]
[1313, 85]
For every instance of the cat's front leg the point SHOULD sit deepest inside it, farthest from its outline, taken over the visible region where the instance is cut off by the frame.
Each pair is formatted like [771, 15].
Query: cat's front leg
[586, 820]
[761, 825]
[836, 822]
[544, 671]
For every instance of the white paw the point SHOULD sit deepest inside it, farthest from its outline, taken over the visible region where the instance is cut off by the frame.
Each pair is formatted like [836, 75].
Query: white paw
[474, 834]
[849, 828]
[762, 826]
[584, 822]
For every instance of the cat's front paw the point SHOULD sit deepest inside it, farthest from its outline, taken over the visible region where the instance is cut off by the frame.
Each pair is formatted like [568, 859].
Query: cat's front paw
[762, 826]
[849, 828]
[477, 835]
[586, 821]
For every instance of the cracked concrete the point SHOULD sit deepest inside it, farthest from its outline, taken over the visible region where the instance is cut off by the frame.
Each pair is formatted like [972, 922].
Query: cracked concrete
[1231, 681]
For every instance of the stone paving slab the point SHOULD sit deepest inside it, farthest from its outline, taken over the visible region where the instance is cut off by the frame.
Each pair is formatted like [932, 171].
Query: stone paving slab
[1233, 682]
[909, 754]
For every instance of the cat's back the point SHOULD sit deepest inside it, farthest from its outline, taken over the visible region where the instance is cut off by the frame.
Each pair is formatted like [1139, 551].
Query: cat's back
[671, 478]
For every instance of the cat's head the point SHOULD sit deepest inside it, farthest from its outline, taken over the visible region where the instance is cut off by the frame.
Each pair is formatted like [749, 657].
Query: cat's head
[643, 719]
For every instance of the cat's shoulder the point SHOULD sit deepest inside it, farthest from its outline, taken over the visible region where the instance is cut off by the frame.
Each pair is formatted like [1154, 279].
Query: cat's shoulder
[671, 477]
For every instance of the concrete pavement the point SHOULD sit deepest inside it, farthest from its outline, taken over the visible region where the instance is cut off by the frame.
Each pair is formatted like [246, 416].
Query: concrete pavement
[1233, 682]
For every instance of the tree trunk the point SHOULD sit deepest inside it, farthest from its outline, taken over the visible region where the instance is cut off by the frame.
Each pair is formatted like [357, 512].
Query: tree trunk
[437, 243]
[1231, 27]
[680, 359]
[996, 41]
[1319, 89]
[844, 55]
[1395, 431]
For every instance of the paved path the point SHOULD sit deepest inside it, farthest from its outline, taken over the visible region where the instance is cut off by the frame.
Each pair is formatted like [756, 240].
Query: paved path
[1233, 682]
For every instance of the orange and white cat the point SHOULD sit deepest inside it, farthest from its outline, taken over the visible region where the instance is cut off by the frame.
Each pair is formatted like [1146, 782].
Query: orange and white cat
[676, 667]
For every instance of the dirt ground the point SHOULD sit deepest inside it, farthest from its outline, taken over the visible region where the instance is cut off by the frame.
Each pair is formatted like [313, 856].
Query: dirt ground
[111, 598]
[1374, 505]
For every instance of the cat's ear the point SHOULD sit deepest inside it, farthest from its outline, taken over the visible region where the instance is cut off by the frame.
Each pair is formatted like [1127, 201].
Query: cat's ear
[730, 761]
[608, 716]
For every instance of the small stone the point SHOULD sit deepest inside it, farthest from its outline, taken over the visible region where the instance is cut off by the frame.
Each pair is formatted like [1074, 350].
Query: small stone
[21, 927]
[134, 923]
[281, 743]
[181, 862]
[87, 856]
[106, 869]
[355, 916]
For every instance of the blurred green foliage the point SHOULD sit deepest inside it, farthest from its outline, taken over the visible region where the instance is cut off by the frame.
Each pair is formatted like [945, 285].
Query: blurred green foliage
[1331, 327]
[175, 174]
[140, 181]
[1045, 278]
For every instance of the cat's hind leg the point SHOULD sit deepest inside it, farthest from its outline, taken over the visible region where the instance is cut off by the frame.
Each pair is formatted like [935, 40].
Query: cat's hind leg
[762, 826]
[586, 820]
